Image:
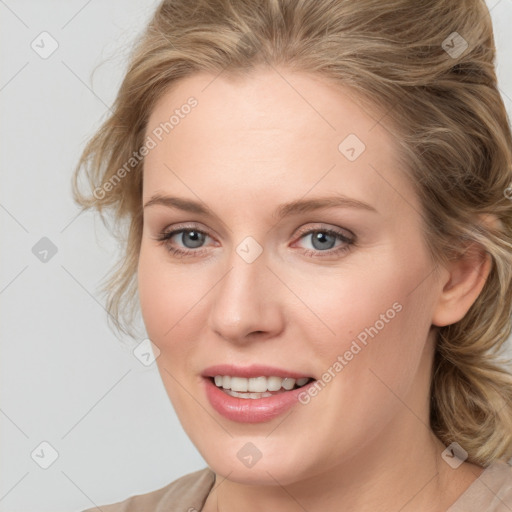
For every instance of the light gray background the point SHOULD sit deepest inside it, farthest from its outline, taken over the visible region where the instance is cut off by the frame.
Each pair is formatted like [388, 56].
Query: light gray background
[65, 379]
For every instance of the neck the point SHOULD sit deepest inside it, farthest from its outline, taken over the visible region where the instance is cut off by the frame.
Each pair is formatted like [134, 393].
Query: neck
[411, 478]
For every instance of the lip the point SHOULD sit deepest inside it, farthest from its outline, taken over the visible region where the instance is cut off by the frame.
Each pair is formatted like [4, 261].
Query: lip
[251, 410]
[255, 370]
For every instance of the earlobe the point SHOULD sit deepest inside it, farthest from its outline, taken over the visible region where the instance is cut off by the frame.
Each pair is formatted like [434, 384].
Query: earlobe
[466, 278]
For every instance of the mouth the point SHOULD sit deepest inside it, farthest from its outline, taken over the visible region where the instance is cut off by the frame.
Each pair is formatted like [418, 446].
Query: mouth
[257, 387]
[253, 394]
[257, 406]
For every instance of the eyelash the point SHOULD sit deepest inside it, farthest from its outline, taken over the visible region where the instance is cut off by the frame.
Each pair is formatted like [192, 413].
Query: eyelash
[165, 236]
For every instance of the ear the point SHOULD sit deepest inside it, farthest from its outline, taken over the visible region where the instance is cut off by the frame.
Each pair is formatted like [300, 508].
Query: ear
[462, 283]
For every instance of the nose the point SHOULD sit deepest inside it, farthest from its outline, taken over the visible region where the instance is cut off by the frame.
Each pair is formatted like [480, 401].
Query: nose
[246, 302]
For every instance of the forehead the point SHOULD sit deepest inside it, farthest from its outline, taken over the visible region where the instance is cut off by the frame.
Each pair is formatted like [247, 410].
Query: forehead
[270, 129]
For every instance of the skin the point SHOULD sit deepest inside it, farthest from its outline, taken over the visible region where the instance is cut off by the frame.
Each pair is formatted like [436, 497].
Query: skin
[250, 145]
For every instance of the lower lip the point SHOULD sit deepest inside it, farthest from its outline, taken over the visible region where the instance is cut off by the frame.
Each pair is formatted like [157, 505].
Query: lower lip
[251, 410]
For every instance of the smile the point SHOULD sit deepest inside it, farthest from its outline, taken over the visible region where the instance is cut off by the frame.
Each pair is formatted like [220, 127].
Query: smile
[257, 387]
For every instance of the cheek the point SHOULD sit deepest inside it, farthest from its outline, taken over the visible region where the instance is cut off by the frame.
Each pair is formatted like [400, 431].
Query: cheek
[154, 295]
[345, 304]
[167, 299]
[167, 293]
[375, 317]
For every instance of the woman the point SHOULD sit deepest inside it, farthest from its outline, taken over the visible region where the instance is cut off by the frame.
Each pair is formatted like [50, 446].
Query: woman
[318, 227]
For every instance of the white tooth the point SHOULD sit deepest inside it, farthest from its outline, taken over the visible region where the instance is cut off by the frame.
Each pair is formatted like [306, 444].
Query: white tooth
[257, 384]
[226, 382]
[274, 383]
[288, 383]
[239, 384]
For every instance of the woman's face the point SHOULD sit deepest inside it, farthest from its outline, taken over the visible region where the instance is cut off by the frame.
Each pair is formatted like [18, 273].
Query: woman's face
[266, 283]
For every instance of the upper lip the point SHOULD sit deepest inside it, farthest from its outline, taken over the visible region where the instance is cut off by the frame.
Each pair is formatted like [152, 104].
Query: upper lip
[255, 370]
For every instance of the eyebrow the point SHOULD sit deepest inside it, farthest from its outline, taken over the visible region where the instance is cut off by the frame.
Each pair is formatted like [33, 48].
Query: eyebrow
[293, 208]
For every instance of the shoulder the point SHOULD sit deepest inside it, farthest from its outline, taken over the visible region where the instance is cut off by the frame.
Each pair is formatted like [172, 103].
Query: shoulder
[498, 480]
[490, 492]
[188, 492]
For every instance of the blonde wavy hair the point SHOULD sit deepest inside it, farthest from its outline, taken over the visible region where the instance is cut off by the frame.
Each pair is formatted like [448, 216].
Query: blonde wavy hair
[443, 105]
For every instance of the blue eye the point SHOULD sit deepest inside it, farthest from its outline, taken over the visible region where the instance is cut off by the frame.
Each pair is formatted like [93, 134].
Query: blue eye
[191, 236]
[192, 240]
[323, 239]
[196, 237]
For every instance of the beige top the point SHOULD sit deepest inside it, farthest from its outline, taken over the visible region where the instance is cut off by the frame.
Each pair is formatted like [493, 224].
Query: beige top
[490, 492]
